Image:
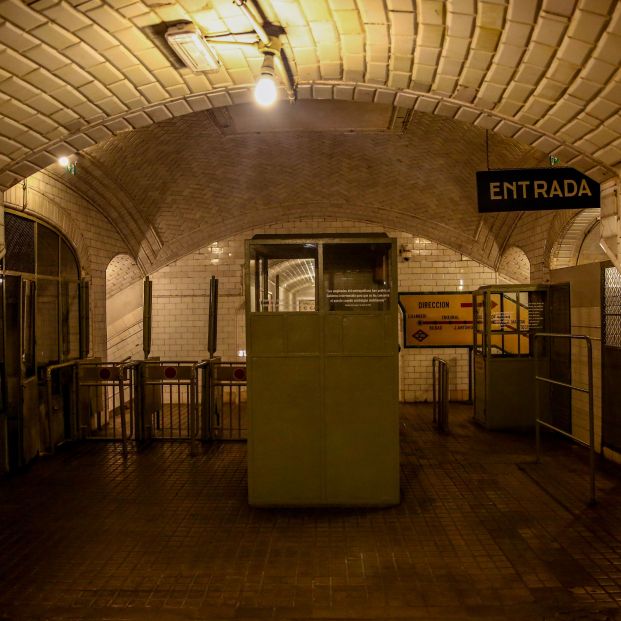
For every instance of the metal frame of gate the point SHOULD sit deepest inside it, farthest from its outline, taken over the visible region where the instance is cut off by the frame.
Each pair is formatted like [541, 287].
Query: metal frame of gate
[141, 401]
[226, 411]
[106, 401]
[172, 405]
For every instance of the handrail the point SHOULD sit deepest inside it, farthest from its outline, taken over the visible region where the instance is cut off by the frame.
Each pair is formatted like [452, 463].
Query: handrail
[440, 392]
[540, 423]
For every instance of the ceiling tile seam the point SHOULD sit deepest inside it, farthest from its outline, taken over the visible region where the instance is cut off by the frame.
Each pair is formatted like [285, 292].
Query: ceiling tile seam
[436, 73]
[72, 89]
[367, 25]
[312, 34]
[339, 38]
[581, 116]
[548, 75]
[496, 52]
[469, 66]
[444, 53]
[504, 98]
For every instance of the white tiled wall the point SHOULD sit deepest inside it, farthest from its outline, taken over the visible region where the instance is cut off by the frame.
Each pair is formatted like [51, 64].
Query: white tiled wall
[181, 302]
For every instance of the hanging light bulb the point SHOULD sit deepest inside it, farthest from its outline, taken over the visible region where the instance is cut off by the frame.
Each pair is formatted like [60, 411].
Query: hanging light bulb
[265, 91]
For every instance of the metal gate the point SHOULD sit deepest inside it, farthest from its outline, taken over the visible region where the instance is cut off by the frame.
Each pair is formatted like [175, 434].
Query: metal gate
[226, 407]
[143, 401]
[611, 358]
[170, 406]
[106, 396]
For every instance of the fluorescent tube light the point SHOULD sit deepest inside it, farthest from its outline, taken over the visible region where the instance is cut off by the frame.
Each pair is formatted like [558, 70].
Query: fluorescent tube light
[190, 45]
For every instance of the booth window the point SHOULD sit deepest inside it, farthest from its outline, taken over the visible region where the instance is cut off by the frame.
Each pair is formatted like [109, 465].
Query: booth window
[515, 317]
[283, 278]
[357, 276]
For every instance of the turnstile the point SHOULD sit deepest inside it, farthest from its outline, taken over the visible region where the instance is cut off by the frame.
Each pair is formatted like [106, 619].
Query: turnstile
[322, 353]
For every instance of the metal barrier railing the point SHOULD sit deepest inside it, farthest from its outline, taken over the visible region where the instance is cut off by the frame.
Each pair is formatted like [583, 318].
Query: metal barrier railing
[589, 391]
[228, 413]
[105, 395]
[440, 375]
[172, 398]
[53, 372]
[145, 400]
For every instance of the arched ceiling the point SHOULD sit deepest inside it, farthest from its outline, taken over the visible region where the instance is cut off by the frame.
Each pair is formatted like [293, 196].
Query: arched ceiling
[188, 181]
[411, 86]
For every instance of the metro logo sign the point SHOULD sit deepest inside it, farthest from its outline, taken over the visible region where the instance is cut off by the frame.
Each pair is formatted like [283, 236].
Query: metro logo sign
[533, 189]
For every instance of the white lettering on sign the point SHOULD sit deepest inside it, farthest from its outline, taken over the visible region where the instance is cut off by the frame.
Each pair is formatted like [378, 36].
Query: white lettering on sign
[514, 190]
[357, 297]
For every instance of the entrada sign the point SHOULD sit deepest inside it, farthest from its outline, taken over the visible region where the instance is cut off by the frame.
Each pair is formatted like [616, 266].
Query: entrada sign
[532, 189]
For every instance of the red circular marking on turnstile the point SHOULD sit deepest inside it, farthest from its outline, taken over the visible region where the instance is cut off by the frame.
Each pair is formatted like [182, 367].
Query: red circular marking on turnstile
[170, 372]
[104, 373]
[239, 374]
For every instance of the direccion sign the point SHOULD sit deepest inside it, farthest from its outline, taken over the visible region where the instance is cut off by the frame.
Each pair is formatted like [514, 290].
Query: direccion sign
[533, 189]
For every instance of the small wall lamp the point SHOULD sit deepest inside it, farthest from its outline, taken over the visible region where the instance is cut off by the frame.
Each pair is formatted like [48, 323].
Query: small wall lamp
[68, 165]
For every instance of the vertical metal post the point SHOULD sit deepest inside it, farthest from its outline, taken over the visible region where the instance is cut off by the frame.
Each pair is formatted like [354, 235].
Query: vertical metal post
[591, 422]
[537, 407]
[147, 317]
[445, 396]
[192, 412]
[433, 382]
[84, 311]
[50, 448]
[212, 335]
[277, 293]
[257, 284]
[206, 402]
[122, 406]
[265, 286]
[75, 409]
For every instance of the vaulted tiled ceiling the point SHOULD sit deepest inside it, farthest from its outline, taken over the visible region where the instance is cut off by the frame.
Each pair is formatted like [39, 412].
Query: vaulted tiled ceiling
[544, 73]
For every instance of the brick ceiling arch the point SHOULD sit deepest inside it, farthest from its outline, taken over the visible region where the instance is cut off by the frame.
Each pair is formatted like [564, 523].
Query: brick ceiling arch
[547, 74]
[186, 181]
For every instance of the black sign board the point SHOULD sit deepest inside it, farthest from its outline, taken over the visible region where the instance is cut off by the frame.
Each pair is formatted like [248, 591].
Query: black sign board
[532, 189]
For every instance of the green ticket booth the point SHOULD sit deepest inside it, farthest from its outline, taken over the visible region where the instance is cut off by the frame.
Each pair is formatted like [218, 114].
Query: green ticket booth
[322, 355]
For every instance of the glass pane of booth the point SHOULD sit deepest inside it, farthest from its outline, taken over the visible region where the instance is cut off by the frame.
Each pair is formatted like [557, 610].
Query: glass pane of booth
[357, 276]
[479, 321]
[283, 278]
[515, 316]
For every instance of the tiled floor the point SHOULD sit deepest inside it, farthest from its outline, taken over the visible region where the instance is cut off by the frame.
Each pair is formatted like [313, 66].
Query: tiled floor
[162, 536]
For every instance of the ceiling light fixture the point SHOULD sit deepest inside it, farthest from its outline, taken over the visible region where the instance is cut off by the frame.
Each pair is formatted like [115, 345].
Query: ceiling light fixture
[265, 90]
[192, 48]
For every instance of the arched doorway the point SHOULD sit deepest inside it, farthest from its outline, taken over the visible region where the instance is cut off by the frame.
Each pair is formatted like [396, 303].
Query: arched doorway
[124, 303]
[514, 266]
